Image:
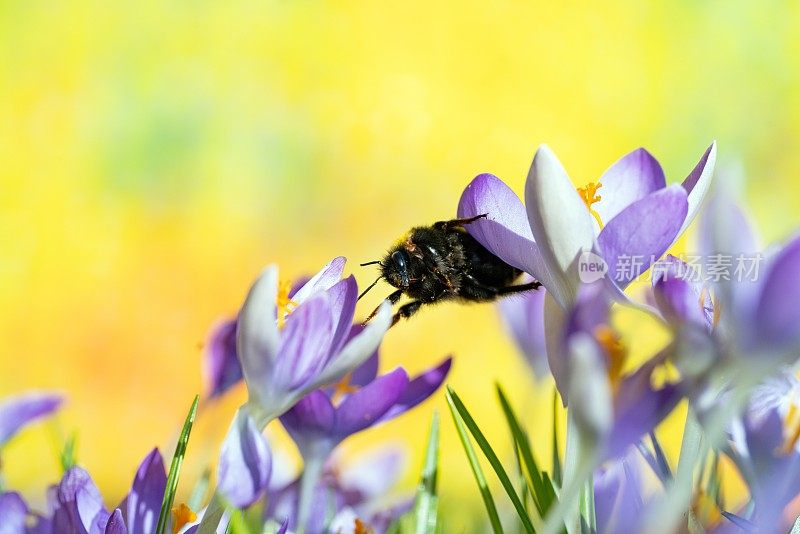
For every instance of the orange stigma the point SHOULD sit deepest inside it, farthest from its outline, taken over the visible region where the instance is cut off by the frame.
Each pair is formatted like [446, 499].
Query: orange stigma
[360, 527]
[284, 302]
[183, 516]
[343, 387]
[616, 352]
[588, 194]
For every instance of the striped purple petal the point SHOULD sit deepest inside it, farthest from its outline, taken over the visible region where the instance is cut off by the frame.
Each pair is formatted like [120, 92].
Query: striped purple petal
[143, 504]
[641, 233]
[245, 463]
[419, 389]
[304, 344]
[363, 408]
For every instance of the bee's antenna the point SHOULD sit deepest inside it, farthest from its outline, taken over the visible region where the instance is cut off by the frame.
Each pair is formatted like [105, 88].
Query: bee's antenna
[370, 287]
[371, 263]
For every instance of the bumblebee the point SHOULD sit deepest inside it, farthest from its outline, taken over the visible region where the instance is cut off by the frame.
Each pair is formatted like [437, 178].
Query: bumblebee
[443, 262]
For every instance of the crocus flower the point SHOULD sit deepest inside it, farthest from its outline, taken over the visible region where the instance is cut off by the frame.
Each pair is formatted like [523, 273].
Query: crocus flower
[613, 408]
[288, 350]
[221, 367]
[17, 412]
[740, 319]
[77, 506]
[764, 447]
[637, 215]
[358, 490]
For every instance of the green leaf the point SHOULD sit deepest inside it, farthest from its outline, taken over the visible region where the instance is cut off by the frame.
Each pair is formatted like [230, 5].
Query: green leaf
[426, 505]
[558, 476]
[175, 469]
[543, 495]
[491, 509]
[456, 404]
[587, 505]
[68, 456]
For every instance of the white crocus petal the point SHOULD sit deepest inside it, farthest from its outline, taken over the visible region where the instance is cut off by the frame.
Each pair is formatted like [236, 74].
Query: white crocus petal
[329, 275]
[258, 336]
[589, 391]
[560, 222]
[697, 187]
[358, 349]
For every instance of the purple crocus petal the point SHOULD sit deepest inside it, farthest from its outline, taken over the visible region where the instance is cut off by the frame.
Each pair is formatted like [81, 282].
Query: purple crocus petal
[524, 316]
[420, 388]
[630, 179]
[698, 183]
[79, 503]
[366, 406]
[366, 372]
[641, 233]
[116, 525]
[505, 231]
[356, 351]
[343, 295]
[778, 309]
[245, 462]
[18, 411]
[374, 473]
[12, 513]
[258, 337]
[678, 297]
[305, 343]
[639, 407]
[329, 275]
[221, 367]
[560, 222]
[311, 418]
[143, 504]
[618, 497]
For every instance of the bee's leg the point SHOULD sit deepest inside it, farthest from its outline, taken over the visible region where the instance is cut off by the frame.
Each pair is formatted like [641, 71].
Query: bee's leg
[406, 310]
[508, 290]
[392, 298]
[456, 223]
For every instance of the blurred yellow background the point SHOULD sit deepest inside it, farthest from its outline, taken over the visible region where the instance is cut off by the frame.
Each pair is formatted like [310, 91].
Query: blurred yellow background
[154, 156]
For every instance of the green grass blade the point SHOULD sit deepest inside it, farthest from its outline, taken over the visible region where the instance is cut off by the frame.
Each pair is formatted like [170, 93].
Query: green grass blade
[175, 469]
[491, 509]
[426, 506]
[587, 510]
[558, 476]
[541, 497]
[456, 403]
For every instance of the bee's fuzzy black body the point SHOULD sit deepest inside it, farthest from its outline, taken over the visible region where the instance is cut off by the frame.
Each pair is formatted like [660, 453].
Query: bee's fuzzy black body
[443, 262]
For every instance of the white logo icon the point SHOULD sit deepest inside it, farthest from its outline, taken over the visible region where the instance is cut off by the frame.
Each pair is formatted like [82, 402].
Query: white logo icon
[591, 267]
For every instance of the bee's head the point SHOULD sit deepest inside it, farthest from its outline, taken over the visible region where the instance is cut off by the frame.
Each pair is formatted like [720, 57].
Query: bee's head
[396, 268]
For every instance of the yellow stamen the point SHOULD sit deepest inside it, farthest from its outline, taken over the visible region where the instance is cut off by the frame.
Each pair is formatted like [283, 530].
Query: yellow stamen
[183, 516]
[716, 309]
[361, 528]
[588, 194]
[343, 387]
[792, 424]
[616, 352]
[283, 302]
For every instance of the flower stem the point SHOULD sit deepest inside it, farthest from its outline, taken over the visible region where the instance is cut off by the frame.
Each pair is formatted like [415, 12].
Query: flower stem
[312, 471]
